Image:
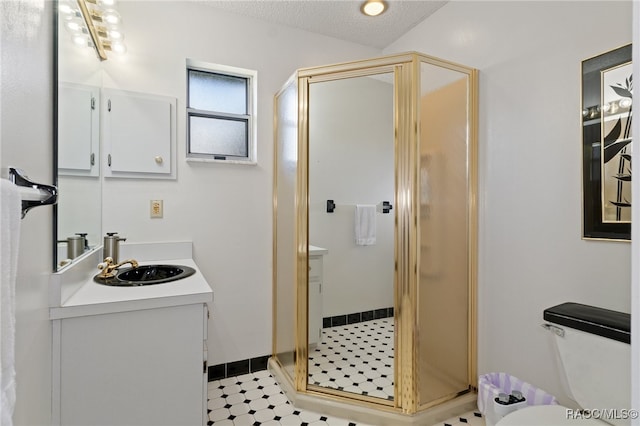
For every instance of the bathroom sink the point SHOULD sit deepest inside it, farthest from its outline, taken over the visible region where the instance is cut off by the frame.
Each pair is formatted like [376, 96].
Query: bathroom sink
[147, 275]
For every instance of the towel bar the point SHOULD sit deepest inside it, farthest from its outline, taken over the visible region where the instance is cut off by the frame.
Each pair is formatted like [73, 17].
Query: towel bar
[32, 194]
[385, 206]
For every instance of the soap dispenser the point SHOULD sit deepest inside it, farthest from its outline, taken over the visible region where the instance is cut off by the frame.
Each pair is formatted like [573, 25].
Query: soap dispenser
[111, 246]
[83, 235]
[75, 246]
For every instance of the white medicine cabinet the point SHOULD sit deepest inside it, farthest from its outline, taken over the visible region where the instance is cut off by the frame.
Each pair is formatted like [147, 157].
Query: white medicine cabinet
[78, 130]
[138, 135]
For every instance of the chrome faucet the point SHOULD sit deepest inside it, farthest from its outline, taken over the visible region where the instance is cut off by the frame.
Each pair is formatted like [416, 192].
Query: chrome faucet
[107, 267]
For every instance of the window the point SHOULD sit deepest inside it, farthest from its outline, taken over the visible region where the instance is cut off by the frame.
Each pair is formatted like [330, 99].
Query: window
[220, 113]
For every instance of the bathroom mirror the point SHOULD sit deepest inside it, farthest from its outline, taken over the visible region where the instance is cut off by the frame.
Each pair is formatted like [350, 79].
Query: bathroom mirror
[78, 227]
[351, 254]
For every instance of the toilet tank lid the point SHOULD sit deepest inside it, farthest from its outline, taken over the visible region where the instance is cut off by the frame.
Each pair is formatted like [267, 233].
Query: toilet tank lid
[591, 319]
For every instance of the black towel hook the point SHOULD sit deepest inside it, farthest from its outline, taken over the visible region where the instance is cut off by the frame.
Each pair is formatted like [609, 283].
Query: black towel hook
[331, 206]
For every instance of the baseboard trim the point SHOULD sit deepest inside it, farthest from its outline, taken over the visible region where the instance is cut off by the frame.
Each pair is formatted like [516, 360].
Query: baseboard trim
[237, 368]
[357, 317]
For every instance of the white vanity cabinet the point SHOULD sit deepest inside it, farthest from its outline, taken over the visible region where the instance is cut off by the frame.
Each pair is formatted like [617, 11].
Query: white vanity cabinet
[130, 355]
[316, 255]
[139, 134]
[142, 367]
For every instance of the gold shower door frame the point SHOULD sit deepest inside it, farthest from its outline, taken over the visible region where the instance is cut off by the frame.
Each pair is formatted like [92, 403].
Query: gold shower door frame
[406, 70]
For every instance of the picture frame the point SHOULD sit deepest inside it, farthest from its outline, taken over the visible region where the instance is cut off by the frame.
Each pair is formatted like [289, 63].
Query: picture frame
[606, 145]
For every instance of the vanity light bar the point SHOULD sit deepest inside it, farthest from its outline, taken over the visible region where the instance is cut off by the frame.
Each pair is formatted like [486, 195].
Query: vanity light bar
[96, 19]
[88, 19]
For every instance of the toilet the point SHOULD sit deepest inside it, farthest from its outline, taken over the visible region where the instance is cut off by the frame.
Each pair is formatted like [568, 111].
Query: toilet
[593, 346]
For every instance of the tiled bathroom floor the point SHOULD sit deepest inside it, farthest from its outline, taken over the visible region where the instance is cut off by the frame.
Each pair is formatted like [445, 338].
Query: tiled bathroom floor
[355, 358]
[256, 399]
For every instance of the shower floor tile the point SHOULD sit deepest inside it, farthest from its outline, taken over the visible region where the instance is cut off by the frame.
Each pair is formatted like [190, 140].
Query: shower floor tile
[256, 399]
[355, 358]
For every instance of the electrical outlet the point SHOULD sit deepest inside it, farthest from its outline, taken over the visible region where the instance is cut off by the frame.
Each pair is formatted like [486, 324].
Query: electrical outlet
[156, 208]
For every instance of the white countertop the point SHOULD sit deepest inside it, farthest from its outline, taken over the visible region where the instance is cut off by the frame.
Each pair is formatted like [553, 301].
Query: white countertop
[92, 298]
[317, 251]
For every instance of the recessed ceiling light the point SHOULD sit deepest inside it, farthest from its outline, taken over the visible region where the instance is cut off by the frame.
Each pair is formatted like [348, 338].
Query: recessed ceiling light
[373, 7]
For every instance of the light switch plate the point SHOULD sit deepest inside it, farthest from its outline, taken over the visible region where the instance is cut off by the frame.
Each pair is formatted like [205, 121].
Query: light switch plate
[156, 208]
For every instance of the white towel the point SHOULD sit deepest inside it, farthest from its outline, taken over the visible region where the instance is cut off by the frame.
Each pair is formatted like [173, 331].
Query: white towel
[10, 213]
[365, 224]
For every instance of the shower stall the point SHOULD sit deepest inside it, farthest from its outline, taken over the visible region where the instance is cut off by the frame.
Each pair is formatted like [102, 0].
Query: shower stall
[395, 135]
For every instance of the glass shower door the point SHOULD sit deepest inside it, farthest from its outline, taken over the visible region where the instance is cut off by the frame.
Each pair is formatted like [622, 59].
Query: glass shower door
[284, 250]
[351, 163]
[443, 291]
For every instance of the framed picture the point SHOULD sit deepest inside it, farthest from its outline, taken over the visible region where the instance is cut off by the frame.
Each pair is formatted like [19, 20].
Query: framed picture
[607, 87]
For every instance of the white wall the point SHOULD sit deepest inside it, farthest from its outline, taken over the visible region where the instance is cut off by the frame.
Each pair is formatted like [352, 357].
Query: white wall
[26, 101]
[531, 252]
[224, 209]
[351, 161]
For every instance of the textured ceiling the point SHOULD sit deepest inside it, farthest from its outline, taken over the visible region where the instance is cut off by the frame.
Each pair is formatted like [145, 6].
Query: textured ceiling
[339, 19]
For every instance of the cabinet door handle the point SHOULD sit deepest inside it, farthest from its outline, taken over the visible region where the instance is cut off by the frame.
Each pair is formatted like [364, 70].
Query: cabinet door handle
[159, 159]
[109, 160]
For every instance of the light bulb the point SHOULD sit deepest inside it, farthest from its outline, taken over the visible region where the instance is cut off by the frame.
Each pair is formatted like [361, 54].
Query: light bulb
[111, 17]
[625, 102]
[65, 9]
[119, 48]
[73, 26]
[80, 40]
[107, 3]
[116, 35]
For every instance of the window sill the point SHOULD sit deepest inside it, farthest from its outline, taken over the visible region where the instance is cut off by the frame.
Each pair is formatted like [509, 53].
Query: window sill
[212, 160]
